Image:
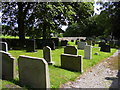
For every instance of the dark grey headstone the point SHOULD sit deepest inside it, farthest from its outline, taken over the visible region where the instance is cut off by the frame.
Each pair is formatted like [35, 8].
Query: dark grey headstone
[105, 48]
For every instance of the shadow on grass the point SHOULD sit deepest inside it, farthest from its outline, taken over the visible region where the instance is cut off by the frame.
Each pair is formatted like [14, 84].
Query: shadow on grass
[115, 82]
[65, 68]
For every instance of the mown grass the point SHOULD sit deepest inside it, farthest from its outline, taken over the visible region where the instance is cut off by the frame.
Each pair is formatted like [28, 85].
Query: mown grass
[11, 37]
[58, 75]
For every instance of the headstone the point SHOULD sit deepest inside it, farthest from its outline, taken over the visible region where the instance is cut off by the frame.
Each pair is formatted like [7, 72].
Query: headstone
[70, 50]
[33, 72]
[89, 42]
[47, 54]
[7, 65]
[64, 42]
[102, 44]
[88, 52]
[30, 45]
[4, 46]
[81, 45]
[105, 48]
[72, 62]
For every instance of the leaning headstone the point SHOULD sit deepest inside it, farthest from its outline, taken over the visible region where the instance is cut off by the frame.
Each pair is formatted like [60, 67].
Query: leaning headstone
[70, 50]
[105, 48]
[33, 72]
[7, 66]
[30, 45]
[72, 62]
[47, 54]
[88, 52]
[81, 45]
[4, 46]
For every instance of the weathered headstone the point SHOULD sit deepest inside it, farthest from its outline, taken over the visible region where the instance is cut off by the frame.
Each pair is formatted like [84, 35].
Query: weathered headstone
[70, 50]
[47, 54]
[30, 45]
[105, 48]
[33, 72]
[88, 52]
[64, 42]
[4, 46]
[72, 62]
[7, 66]
[81, 45]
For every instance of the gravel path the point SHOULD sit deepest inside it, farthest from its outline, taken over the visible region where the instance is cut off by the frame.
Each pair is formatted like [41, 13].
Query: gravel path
[102, 75]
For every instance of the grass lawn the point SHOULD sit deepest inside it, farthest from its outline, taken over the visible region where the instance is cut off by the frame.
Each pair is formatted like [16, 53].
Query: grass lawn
[58, 75]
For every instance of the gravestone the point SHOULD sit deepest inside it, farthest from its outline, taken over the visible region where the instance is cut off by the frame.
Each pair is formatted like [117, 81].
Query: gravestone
[81, 45]
[105, 48]
[4, 46]
[33, 72]
[7, 66]
[64, 42]
[88, 52]
[89, 42]
[47, 54]
[70, 50]
[102, 44]
[30, 45]
[72, 62]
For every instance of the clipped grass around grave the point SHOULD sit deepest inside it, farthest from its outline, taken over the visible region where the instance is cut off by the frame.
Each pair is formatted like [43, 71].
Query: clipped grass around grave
[58, 75]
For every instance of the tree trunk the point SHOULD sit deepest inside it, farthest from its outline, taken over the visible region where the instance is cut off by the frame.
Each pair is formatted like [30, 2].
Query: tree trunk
[44, 31]
[21, 24]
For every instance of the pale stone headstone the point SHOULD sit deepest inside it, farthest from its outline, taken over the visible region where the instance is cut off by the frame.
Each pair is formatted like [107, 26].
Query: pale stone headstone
[4, 46]
[88, 52]
[72, 62]
[70, 50]
[47, 54]
[33, 72]
[81, 45]
[7, 65]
